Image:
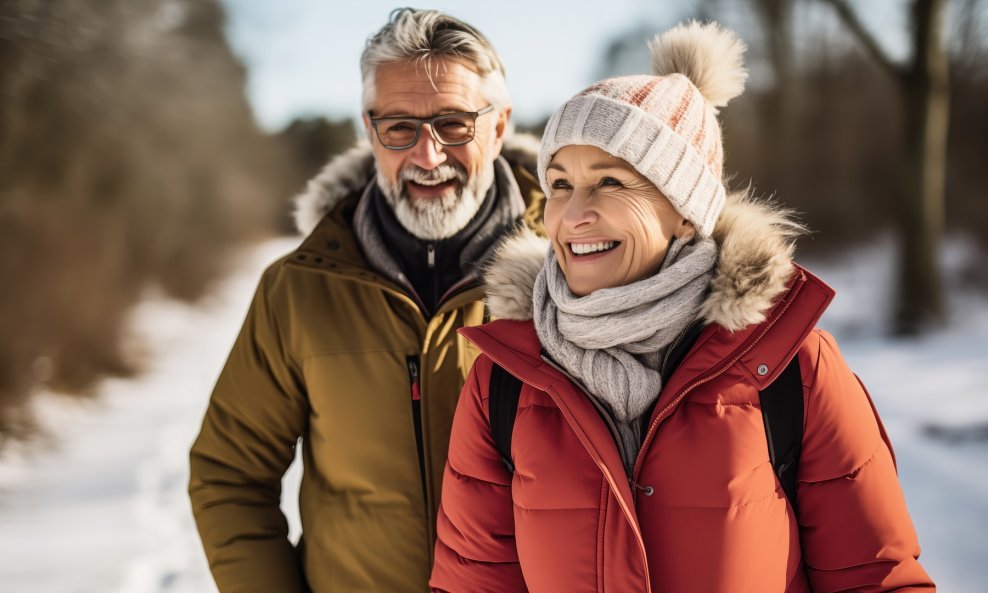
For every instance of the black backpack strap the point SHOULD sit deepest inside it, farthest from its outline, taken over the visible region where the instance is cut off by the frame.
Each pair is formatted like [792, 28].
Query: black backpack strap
[782, 411]
[502, 405]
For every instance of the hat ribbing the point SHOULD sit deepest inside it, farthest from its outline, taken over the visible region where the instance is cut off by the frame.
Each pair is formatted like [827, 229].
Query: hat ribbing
[662, 125]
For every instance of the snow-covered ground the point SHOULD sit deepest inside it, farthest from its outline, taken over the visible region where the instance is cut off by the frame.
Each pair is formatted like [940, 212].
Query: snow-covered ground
[104, 508]
[932, 394]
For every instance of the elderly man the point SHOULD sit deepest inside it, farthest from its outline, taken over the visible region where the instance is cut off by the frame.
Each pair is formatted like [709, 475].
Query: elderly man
[350, 342]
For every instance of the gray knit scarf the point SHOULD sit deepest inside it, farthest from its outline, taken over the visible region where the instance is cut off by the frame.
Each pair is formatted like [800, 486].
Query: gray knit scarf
[613, 340]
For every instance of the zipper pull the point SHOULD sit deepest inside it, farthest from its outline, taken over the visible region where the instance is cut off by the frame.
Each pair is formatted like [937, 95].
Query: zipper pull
[431, 251]
[413, 377]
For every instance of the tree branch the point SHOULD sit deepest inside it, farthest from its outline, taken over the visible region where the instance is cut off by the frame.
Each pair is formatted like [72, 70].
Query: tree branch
[857, 28]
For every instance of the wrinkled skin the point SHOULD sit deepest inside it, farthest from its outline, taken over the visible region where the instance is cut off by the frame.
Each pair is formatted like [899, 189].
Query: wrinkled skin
[465, 172]
[598, 198]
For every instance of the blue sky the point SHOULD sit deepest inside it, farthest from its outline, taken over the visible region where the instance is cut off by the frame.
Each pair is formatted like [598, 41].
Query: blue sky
[302, 55]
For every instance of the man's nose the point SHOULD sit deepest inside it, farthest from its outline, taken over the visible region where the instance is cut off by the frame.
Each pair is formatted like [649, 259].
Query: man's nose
[427, 153]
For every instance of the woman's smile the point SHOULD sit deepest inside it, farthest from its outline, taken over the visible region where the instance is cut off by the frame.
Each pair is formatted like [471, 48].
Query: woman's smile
[608, 224]
[585, 250]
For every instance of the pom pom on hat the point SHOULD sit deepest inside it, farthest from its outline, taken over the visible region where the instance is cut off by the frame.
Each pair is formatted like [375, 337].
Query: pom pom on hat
[664, 125]
[709, 55]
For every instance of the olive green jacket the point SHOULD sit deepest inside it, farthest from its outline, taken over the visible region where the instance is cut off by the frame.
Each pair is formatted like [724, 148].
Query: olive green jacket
[329, 352]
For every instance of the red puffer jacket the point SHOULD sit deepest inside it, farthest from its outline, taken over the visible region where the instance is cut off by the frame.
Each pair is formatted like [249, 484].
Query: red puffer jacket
[717, 520]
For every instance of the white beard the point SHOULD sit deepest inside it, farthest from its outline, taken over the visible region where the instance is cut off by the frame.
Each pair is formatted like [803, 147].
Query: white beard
[442, 217]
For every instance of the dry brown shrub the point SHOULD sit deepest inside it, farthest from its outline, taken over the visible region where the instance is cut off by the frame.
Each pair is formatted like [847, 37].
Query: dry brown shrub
[128, 158]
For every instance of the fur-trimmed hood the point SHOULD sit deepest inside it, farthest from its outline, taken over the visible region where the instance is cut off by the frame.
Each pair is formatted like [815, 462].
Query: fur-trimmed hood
[350, 172]
[755, 242]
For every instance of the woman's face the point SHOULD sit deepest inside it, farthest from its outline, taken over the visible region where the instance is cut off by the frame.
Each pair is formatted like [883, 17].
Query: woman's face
[608, 224]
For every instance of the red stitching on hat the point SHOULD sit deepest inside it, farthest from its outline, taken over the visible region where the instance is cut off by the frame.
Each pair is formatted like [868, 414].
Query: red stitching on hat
[684, 101]
[639, 96]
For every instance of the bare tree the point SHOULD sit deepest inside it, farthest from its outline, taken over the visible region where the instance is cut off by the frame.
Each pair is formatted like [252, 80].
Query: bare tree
[924, 86]
[129, 158]
[775, 17]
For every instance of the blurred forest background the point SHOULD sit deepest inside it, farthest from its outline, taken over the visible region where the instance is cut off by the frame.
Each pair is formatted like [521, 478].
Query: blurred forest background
[130, 159]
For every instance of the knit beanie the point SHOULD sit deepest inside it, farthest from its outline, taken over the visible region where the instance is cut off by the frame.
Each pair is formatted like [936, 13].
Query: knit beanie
[664, 125]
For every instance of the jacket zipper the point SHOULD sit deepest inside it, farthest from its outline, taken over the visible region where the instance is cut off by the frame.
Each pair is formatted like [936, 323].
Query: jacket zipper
[675, 344]
[413, 364]
[468, 282]
[416, 394]
[629, 513]
[655, 423]
[635, 486]
[431, 260]
[608, 421]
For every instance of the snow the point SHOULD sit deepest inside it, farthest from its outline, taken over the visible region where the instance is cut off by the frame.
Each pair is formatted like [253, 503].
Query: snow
[934, 384]
[103, 508]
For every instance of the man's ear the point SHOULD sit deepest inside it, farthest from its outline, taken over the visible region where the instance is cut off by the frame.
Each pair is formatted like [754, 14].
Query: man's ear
[501, 127]
[503, 119]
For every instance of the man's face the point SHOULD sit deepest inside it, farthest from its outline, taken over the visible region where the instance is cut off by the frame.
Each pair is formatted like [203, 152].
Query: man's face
[435, 190]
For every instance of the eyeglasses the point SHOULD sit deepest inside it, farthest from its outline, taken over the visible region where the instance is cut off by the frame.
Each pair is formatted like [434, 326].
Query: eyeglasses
[449, 129]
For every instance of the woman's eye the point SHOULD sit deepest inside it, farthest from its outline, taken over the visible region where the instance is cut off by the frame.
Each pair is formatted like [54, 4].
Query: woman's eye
[560, 184]
[610, 181]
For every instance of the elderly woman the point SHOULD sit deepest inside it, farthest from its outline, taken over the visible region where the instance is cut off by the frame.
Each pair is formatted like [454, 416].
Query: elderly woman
[642, 453]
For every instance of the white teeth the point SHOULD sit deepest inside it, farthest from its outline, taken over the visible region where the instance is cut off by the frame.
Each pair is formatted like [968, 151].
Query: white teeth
[585, 248]
[430, 181]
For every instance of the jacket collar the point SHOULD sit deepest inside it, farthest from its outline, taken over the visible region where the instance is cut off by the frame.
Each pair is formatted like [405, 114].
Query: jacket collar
[350, 172]
[455, 261]
[757, 292]
[324, 213]
[755, 242]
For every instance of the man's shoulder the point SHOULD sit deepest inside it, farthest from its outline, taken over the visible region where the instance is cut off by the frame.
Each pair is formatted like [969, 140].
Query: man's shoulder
[330, 254]
[344, 177]
[521, 151]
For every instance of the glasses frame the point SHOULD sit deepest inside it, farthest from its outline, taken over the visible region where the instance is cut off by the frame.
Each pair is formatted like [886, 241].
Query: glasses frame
[432, 129]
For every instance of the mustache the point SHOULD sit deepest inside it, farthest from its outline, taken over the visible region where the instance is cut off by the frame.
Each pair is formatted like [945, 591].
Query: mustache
[441, 174]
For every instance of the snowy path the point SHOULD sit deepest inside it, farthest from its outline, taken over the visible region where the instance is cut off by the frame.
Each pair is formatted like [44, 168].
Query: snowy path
[940, 380]
[105, 508]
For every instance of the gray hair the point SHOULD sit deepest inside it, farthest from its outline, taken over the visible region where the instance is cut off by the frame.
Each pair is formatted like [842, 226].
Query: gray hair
[425, 35]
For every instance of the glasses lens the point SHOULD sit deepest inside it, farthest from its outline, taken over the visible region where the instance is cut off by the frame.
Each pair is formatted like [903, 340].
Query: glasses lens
[455, 128]
[397, 132]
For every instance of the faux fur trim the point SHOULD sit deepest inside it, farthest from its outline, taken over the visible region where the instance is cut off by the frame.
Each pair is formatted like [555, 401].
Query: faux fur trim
[510, 277]
[342, 176]
[755, 240]
[350, 172]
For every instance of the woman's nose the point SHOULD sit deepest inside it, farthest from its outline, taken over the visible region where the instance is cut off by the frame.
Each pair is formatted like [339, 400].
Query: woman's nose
[580, 209]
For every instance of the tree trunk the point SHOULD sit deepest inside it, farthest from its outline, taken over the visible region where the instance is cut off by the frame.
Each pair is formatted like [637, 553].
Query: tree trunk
[776, 116]
[920, 299]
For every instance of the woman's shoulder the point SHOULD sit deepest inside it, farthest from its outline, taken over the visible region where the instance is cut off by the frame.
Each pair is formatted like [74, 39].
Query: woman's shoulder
[843, 431]
[514, 346]
[504, 335]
